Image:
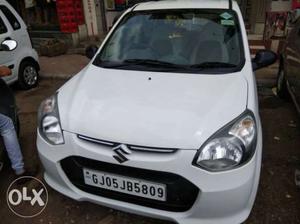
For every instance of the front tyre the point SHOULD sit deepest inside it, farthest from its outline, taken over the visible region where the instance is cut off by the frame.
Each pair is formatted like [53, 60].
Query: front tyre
[28, 75]
[282, 90]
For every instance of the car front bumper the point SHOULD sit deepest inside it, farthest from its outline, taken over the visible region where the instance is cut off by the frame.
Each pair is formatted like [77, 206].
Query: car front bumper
[225, 197]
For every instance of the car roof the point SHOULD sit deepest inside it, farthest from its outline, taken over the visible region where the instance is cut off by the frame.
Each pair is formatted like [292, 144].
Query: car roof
[185, 4]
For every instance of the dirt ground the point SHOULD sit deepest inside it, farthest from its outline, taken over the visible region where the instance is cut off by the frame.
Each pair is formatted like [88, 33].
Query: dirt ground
[278, 199]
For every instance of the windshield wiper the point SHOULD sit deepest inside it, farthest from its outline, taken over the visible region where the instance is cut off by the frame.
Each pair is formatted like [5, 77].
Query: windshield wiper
[213, 65]
[150, 62]
[165, 65]
[142, 62]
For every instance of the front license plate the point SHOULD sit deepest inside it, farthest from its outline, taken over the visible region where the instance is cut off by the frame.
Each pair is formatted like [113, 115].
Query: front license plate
[124, 184]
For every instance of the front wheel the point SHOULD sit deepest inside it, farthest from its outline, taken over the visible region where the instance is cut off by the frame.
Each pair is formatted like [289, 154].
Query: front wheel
[28, 75]
[282, 90]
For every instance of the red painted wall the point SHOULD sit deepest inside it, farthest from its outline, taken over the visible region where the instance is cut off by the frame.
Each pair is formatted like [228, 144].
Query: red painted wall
[296, 4]
[70, 14]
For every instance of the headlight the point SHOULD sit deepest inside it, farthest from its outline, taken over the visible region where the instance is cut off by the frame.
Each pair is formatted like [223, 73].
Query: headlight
[230, 147]
[49, 122]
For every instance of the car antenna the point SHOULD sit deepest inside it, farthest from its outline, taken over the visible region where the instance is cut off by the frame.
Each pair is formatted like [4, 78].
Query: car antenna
[230, 4]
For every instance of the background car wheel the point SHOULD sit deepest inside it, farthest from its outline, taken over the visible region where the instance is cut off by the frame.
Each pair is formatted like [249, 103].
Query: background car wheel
[282, 90]
[28, 75]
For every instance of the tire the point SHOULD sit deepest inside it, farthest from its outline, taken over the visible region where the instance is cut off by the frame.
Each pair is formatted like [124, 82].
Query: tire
[282, 89]
[28, 75]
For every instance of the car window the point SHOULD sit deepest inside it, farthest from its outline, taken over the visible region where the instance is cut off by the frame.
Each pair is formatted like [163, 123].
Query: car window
[3, 28]
[10, 17]
[189, 38]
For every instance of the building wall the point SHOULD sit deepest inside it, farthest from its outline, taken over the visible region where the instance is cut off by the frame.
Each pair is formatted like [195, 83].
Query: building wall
[279, 6]
[254, 12]
[258, 15]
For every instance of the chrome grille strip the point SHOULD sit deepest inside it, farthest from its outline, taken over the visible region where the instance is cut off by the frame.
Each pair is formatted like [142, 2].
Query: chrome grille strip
[95, 140]
[165, 150]
[132, 147]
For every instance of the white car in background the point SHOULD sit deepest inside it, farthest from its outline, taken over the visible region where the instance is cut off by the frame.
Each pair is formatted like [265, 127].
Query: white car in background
[164, 121]
[23, 61]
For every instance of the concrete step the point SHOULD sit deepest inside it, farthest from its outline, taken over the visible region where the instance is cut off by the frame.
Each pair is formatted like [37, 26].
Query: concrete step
[37, 41]
[80, 49]
[255, 37]
[49, 34]
[256, 45]
[263, 83]
[40, 35]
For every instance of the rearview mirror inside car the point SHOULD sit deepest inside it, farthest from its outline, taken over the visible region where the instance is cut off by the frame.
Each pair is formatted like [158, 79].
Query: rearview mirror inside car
[263, 59]
[90, 51]
[8, 45]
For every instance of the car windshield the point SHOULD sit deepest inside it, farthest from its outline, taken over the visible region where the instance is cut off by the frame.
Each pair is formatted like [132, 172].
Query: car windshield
[175, 40]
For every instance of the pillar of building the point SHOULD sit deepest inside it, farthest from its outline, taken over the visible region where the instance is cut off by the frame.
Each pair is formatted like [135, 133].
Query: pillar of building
[90, 17]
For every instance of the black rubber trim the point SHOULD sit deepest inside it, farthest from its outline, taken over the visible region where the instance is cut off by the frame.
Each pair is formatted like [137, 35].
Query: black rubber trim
[238, 68]
[181, 194]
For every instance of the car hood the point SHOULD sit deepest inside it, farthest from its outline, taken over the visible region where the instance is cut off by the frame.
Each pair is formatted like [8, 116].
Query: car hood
[154, 109]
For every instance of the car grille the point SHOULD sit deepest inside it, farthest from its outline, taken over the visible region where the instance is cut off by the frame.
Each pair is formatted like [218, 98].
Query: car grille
[181, 194]
[131, 147]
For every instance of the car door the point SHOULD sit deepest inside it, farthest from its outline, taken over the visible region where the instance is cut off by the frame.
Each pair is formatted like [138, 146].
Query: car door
[15, 32]
[6, 58]
[292, 65]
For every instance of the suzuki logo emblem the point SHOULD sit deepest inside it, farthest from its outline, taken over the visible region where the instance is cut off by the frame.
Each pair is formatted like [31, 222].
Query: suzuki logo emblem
[121, 151]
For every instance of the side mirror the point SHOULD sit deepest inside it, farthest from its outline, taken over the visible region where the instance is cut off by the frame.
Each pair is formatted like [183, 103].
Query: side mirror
[8, 45]
[90, 51]
[263, 59]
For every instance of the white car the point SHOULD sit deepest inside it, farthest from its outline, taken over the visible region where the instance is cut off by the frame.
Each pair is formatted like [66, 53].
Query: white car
[164, 121]
[23, 61]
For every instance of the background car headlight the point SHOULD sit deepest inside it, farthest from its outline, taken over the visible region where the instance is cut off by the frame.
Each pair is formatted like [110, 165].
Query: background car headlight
[49, 122]
[230, 147]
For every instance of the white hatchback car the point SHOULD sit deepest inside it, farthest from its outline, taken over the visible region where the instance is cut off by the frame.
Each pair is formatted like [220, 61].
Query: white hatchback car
[164, 121]
[23, 61]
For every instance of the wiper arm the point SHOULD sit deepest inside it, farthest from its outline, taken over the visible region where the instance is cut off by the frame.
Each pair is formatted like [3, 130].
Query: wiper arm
[213, 65]
[150, 62]
[143, 62]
